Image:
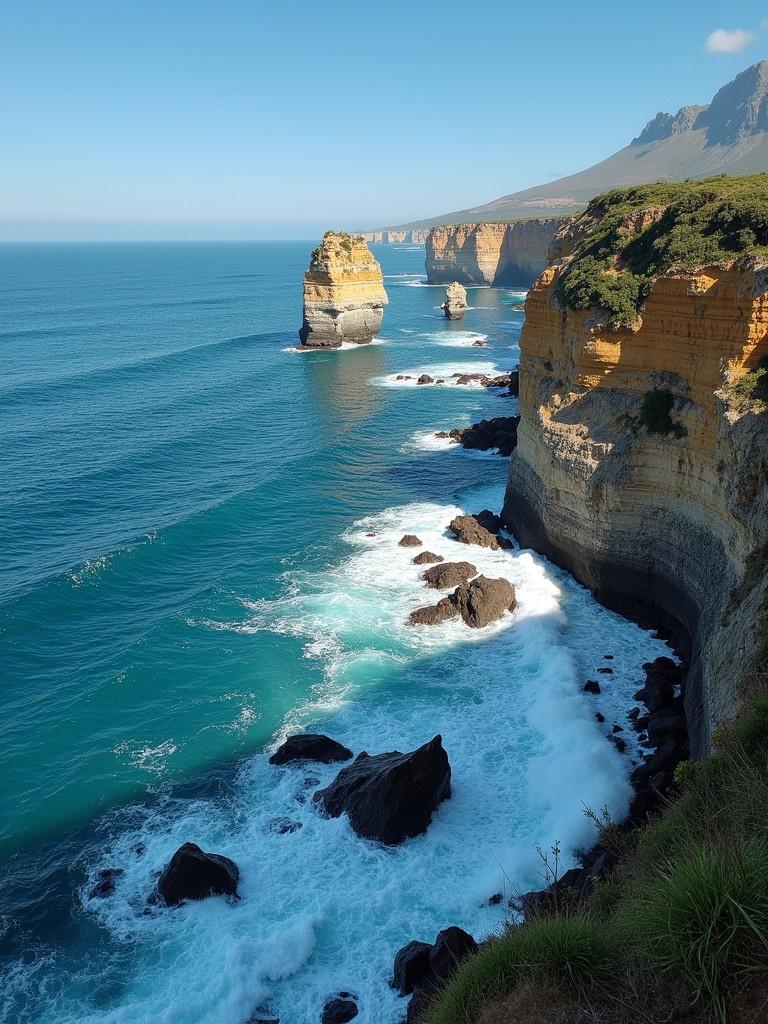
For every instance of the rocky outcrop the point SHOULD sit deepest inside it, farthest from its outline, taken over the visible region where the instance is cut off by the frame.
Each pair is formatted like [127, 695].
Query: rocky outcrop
[638, 470]
[507, 254]
[193, 874]
[479, 602]
[499, 433]
[482, 529]
[344, 294]
[448, 574]
[455, 305]
[423, 970]
[390, 797]
[310, 747]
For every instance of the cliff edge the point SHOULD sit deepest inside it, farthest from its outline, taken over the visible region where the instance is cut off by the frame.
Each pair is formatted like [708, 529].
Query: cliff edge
[642, 453]
[344, 294]
[505, 254]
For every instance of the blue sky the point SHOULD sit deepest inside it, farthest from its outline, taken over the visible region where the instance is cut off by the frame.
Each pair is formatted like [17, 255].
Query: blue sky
[256, 120]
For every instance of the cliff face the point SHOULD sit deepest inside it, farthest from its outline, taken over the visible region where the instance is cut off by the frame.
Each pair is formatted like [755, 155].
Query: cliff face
[390, 236]
[497, 254]
[344, 294]
[640, 469]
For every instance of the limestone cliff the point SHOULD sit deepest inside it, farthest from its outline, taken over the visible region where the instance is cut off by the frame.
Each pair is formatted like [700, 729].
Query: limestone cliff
[497, 254]
[642, 455]
[392, 236]
[455, 305]
[344, 294]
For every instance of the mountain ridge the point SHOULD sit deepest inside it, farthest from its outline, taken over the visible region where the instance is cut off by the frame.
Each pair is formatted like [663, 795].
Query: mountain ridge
[728, 135]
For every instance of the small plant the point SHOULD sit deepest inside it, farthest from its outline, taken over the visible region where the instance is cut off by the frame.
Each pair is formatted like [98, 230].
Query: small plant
[753, 386]
[655, 413]
[706, 919]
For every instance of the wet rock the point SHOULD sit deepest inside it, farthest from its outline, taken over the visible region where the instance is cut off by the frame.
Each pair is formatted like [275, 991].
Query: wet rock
[339, 1011]
[410, 540]
[483, 600]
[479, 602]
[106, 881]
[479, 343]
[499, 432]
[193, 874]
[425, 379]
[619, 743]
[599, 717]
[426, 557]
[481, 529]
[606, 671]
[608, 657]
[310, 747]
[617, 728]
[420, 1002]
[448, 574]
[503, 380]
[434, 614]
[666, 722]
[592, 686]
[404, 376]
[452, 946]
[411, 966]
[390, 797]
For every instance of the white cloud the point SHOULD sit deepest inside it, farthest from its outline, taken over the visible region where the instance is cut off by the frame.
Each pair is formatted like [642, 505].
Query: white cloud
[724, 41]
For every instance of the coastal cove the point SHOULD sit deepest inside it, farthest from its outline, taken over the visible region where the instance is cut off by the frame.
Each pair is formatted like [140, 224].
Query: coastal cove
[215, 564]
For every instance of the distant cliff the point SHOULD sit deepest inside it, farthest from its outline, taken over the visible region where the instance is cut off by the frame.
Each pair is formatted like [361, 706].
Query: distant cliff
[497, 254]
[344, 294]
[390, 236]
[642, 456]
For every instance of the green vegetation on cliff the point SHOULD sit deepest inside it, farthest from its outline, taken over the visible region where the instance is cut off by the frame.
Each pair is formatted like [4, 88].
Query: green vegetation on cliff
[678, 931]
[632, 236]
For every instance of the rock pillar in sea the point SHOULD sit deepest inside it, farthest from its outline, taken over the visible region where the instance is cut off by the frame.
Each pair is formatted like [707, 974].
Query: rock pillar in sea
[455, 305]
[344, 294]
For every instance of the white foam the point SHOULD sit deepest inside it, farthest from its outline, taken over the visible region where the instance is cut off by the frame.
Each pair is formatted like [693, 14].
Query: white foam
[457, 339]
[345, 346]
[323, 910]
[439, 371]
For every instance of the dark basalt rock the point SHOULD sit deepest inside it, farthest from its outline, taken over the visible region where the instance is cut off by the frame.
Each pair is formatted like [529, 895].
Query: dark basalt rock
[599, 717]
[619, 743]
[500, 433]
[411, 966]
[425, 379]
[666, 722]
[452, 946]
[481, 529]
[310, 747]
[426, 557]
[592, 686]
[284, 826]
[410, 540]
[606, 671]
[105, 883]
[339, 1010]
[390, 797]
[193, 874]
[448, 574]
[479, 602]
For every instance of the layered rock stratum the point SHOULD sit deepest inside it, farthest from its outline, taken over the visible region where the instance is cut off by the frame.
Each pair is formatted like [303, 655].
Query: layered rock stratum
[642, 448]
[344, 295]
[493, 254]
[455, 305]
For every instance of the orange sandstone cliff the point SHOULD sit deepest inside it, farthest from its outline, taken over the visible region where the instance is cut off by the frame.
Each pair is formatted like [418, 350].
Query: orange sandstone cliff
[506, 254]
[642, 455]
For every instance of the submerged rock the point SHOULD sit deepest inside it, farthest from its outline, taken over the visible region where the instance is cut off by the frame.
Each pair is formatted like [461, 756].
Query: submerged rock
[448, 574]
[344, 294]
[479, 602]
[455, 305]
[193, 874]
[390, 797]
[310, 747]
[339, 1010]
[105, 883]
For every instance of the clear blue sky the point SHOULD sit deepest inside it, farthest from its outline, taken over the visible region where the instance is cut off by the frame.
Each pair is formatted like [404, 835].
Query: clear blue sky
[253, 119]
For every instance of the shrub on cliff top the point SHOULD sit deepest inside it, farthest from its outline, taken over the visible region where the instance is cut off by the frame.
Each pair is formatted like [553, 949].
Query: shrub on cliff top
[688, 224]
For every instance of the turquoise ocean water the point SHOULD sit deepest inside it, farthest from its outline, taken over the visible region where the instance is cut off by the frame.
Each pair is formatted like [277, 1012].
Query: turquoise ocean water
[186, 574]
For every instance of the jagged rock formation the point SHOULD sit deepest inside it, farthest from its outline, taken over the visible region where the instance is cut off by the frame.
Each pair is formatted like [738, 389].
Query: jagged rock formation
[639, 466]
[193, 874]
[730, 136]
[344, 294]
[455, 305]
[496, 254]
[307, 746]
[479, 602]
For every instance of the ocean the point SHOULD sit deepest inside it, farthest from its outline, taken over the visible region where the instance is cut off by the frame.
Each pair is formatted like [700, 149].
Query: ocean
[198, 555]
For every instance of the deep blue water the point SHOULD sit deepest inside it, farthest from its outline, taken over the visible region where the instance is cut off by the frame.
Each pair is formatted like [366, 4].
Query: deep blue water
[186, 572]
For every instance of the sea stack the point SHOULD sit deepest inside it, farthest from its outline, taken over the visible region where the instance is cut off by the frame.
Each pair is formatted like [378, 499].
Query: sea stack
[344, 294]
[455, 305]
